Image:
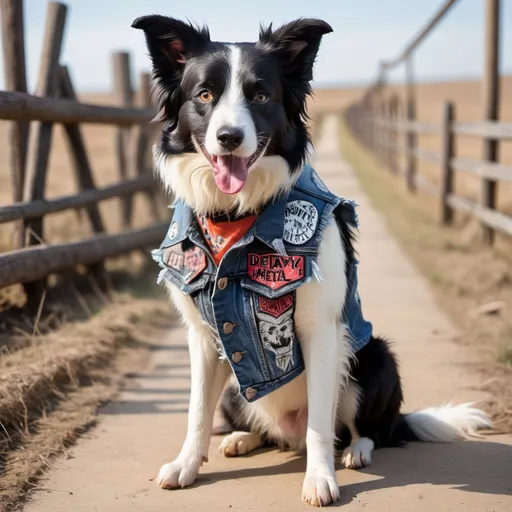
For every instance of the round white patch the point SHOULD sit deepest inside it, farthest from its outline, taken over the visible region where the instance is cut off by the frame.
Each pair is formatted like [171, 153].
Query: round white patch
[300, 221]
[173, 230]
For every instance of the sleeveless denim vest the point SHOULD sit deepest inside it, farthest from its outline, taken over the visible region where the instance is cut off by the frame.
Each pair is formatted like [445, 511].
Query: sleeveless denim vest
[248, 302]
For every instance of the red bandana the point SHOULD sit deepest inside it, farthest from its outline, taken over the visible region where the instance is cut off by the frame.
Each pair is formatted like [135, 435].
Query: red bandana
[221, 236]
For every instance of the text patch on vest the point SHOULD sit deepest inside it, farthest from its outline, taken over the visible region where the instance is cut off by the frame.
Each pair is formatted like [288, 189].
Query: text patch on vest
[274, 270]
[275, 307]
[300, 221]
[189, 264]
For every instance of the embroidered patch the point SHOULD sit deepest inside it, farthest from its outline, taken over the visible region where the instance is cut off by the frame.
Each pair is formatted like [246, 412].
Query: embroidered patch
[300, 221]
[173, 230]
[275, 307]
[189, 263]
[274, 270]
[278, 337]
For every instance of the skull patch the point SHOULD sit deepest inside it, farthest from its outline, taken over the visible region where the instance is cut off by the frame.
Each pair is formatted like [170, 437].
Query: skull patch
[275, 323]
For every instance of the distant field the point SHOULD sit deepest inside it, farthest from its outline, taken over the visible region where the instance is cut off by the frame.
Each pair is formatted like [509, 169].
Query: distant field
[467, 97]
[100, 142]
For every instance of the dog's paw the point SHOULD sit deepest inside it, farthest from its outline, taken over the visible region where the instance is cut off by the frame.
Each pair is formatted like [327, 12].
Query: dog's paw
[359, 454]
[320, 490]
[180, 473]
[239, 443]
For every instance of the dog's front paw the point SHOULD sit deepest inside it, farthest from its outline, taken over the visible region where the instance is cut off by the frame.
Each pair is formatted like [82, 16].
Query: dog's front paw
[320, 490]
[180, 473]
[359, 454]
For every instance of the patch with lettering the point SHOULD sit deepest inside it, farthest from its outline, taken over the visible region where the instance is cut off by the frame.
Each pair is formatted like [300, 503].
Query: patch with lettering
[274, 270]
[189, 264]
[300, 221]
[275, 307]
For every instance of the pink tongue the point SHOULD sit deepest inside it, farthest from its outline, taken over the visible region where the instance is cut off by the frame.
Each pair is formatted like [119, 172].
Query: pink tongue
[230, 173]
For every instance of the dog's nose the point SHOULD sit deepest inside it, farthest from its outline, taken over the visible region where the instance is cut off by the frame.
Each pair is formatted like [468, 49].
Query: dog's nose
[230, 138]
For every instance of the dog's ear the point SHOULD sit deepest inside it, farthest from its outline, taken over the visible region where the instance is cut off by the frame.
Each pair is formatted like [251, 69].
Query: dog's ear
[170, 44]
[296, 45]
[171, 41]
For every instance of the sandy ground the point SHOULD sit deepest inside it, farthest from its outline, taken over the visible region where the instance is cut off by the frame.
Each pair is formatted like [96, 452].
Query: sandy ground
[113, 468]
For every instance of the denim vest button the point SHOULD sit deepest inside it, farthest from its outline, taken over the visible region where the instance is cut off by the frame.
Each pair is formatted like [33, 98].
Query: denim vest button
[228, 327]
[237, 357]
[250, 393]
[222, 283]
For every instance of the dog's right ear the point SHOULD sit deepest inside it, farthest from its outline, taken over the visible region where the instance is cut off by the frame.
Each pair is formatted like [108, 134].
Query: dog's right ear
[170, 39]
[170, 44]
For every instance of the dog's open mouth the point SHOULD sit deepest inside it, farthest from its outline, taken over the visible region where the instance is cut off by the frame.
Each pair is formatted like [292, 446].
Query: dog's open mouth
[231, 171]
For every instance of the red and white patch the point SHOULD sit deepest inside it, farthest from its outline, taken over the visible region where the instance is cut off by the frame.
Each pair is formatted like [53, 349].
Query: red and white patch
[274, 270]
[189, 264]
[275, 307]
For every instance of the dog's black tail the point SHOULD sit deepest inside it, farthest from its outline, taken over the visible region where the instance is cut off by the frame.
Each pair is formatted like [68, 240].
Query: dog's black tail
[440, 424]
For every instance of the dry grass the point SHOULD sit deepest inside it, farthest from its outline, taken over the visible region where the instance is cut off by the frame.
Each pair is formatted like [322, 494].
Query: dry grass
[463, 274]
[50, 390]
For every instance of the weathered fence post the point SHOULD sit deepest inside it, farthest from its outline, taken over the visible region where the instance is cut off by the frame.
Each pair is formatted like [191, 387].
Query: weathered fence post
[152, 128]
[365, 121]
[376, 124]
[41, 132]
[15, 78]
[138, 149]
[447, 154]
[410, 137]
[13, 43]
[372, 124]
[394, 139]
[83, 171]
[383, 131]
[124, 96]
[491, 96]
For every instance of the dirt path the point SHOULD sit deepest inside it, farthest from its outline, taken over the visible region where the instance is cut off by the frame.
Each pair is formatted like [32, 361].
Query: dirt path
[112, 469]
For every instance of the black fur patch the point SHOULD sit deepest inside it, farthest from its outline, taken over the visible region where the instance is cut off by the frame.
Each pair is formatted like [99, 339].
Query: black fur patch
[375, 371]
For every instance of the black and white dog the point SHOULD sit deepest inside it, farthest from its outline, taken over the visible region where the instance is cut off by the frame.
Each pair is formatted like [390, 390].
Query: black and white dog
[234, 138]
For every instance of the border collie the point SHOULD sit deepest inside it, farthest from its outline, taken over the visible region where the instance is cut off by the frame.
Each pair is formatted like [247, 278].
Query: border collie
[234, 139]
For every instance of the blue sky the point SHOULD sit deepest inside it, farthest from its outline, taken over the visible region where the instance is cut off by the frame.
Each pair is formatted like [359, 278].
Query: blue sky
[365, 31]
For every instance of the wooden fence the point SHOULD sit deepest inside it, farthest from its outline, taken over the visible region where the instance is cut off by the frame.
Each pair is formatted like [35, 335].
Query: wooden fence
[390, 129]
[33, 117]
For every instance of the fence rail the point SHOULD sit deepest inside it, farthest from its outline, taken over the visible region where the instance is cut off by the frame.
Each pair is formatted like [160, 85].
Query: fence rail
[42, 207]
[379, 120]
[32, 263]
[18, 106]
[32, 118]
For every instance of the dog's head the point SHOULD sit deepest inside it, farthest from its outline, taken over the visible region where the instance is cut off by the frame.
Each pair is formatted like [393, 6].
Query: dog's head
[233, 103]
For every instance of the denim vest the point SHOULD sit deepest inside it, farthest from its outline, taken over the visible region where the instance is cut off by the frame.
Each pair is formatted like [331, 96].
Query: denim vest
[249, 300]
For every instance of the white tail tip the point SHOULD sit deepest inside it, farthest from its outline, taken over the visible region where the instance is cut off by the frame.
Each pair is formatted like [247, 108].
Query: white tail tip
[447, 423]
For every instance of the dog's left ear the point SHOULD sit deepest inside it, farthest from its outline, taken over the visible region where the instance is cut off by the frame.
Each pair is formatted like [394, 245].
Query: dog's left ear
[296, 45]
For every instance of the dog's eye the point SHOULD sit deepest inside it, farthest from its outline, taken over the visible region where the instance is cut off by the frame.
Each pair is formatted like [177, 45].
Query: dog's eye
[205, 96]
[260, 97]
